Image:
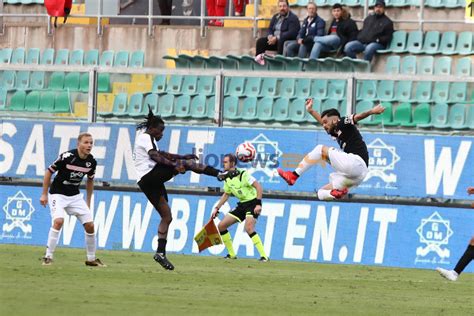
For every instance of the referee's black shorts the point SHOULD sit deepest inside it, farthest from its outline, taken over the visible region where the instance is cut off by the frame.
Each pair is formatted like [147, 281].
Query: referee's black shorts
[243, 210]
[153, 183]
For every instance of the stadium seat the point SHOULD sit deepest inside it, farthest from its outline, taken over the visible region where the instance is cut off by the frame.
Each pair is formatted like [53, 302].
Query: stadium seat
[62, 57]
[408, 65]
[166, 105]
[269, 87]
[327, 64]
[179, 62]
[281, 109]
[402, 116]
[319, 89]
[121, 59]
[317, 106]
[228, 63]
[463, 66]
[385, 90]
[448, 43]
[312, 65]
[236, 86]
[458, 92]
[422, 115]
[8, 80]
[72, 81]
[135, 106]
[62, 103]
[249, 109]
[337, 89]
[196, 61]
[33, 56]
[368, 90]
[137, 59]
[3, 99]
[291, 63]
[464, 43]
[159, 84]
[302, 87]
[265, 109]
[210, 107]
[425, 66]
[415, 42]
[32, 101]
[358, 65]
[189, 85]
[18, 56]
[441, 91]
[22, 80]
[17, 102]
[6, 55]
[151, 101]
[48, 57]
[442, 66]
[77, 57]
[423, 91]
[91, 57]
[385, 117]
[103, 82]
[243, 62]
[393, 64]
[206, 85]
[56, 81]
[198, 107]
[182, 107]
[84, 82]
[275, 64]
[453, 3]
[363, 106]
[329, 104]
[107, 58]
[47, 101]
[431, 42]
[120, 107]
[297, 110]
[470, 117]
[37, 80]
[434, 3]
[252, 87]
[231, 107]
[214, 62]
[403, 91]
[457, 116]
[439, 115]
[287, 88]
[175, 84]
[397, 45]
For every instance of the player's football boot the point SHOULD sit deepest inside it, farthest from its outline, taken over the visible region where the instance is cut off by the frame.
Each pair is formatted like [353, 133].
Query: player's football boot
[95, 263]
[264, 259]
[46, 261]
[230, 257]
[288, 176]
[339, 194]
[227, 174]
[451, 275]
[163, 261]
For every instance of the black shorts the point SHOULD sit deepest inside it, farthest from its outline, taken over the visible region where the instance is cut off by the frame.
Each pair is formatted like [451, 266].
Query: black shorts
[244, 209]
[152, 184]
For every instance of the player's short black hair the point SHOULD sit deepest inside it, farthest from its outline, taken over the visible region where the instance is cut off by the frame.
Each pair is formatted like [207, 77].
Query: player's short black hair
[331, 112]
[232, 158]
[151, 120]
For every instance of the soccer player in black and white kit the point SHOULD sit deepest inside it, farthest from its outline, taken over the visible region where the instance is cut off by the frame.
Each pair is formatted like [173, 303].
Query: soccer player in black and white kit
[351, 164]
[154, 167]
[64, 196]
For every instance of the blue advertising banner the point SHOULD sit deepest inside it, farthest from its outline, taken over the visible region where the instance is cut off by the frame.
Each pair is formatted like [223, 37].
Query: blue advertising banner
[400, 165]
[351, 233]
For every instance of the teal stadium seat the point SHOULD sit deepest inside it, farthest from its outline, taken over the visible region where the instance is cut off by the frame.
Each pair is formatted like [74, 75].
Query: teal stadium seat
[317, 106]
[327, 64]
[236, 86]
[137, 59]
[302, 87]
[175, 84]
[48, 57]
[166, 105]
[62, 103]
[397, 45]
[252, 87]
[91, 57]
[457, 116]
[198, 107]
[17, 102]
[103, 82]
[6, 55]
[33, 56]
[249, 109]
[269, 87]
[441, 91]
[37, 80]
[458, 92]
[18, 56]
[231, 107]
[425, 66]
[431, 42]
[423, 91]
[297, 111]
[291, 63]
[47, 101]
[210, 107]
[120, 107]
[464, 43]
[312, 65]
[72, 81]
[368, 90]
[32, 101]
[151, 101]
[287, 88]
[470, 116]
[107, 58]
[182, 107]
[3, 99]
[62, 57]
[196, 61]
[329, 104]
[385, 90]
[408, 65]
[265, 109]
[77, 57]
[337, 89]
[189, 85]
[442, 66]
[214, 62]
[439, 115]
[402, 116]
[159, 84]
[84, 82]
[206, 85]
[8, 80]
[319, 89]
[22, 80]
[281, 110]
[393, 64]
[403, 91]
[463, 67]
[275, 64]
[415, 42]
[135, 106]
[385, 117]
[422, 115]
[448, 43]
[56, 81]
[363, 106]
[121, 59]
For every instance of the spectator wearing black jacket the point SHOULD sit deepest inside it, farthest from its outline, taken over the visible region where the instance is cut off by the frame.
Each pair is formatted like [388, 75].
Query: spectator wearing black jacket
[313, 26]
[284, 26]
[376, 33]
[342, 30]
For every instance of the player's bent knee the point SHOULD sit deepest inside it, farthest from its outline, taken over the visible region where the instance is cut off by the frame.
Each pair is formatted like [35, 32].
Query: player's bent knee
[89, 227]
[58, 223]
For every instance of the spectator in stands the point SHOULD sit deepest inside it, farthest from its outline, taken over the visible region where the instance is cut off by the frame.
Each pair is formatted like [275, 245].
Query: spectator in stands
[239, 6]
[284, 26]
[216, 8]
[376, 33]
[313, 26]
[343, 29]
[165, 9]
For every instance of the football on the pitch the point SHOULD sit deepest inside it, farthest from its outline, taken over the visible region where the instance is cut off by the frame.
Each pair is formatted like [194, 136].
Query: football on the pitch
[245, 152]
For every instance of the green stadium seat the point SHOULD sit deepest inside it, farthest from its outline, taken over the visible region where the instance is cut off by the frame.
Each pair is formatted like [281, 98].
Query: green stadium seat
[269, 87]
[166, 105]
[385, 117]
[17, 102]
[243, 62]
[231, 107]
[287, 88]
[368, 90]
[442, 66]
[228, 63]
[62, 57]
[103, 82]
[464, 43]
[135, 106]
[189, 85]
[91, 57]
[312, 65]
[210, 107]
[397, 45]
[33, 56]
[431, 42]
[206, 85]
[385, 90]
[249, 109]
[72, 81]
[363, 106]
[327, 64]
[236, 86]
[151, 101]
[62, 104]
[48, 57]
[319, 89]
[281, 110]
[403, 91]
[463, 67]
[179, 62]
[458, 92]
[37, 80]
[425, 66]
[182, 107]
[408, 65]
[422, 115]
[175, 84]
[291, 63]
[345, 64]
[8, 80]
[6, 55]
[120, 107]
[32, 101]
[47, 99]
[159, 84]
[434, 3]
[18, 56]
[275, 64]
[3, 99]
[196, 61]
[137, 59]
[214, 62]
[402, 116]
[358, 65]
[470, 116]
[77, 57]
[265, 109]
[393, 65]
[84, 82]
[439, 115]
[415, 42]
[454, 3]
[198, 107]
[457, 116]
[398, 3]
[107, 58]
[423, 91]
[448, 43]
[121, 59]
[303, 87]
[353, 3]
[22, 80]
[252, 87]
[337, 89]
[441, 91]
[297, 110]
[317, 106]
[329, 104]
[56, 81]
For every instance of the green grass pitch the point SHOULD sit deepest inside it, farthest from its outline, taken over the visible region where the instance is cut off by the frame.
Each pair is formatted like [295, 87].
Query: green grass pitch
[133, 284]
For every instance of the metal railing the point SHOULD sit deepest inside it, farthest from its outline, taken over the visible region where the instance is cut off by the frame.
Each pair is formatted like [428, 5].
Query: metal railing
[202, 18]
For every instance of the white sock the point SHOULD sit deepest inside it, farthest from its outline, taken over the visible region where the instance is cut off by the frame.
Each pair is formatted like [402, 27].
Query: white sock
[90, 246]
[312, 158]
[325, 195]
[53, 237]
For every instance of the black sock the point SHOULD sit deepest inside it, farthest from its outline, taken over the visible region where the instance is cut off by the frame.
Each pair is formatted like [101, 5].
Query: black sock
[252, 234]
[465, 259]
[161, 246]
[210, 171]
[297, 175]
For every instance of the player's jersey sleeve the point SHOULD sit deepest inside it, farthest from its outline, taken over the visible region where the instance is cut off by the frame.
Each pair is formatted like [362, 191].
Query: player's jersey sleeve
[146, 142]
[349, 120]
[247, 178]
[91, 173]
[227, 188]
[60, 162]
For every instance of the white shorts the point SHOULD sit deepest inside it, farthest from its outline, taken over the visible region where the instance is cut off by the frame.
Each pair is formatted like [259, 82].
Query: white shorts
[350, 169]
[72, 205]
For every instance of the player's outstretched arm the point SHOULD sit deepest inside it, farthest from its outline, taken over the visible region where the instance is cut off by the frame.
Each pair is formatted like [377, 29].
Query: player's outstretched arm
[313, 112]
[46, 183]
[221, 202]
[378, 109]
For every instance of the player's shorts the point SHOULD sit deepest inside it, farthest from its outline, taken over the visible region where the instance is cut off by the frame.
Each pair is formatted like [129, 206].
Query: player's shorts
[152, 184]
[243, 210]
[350, 169]
[60, 205]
